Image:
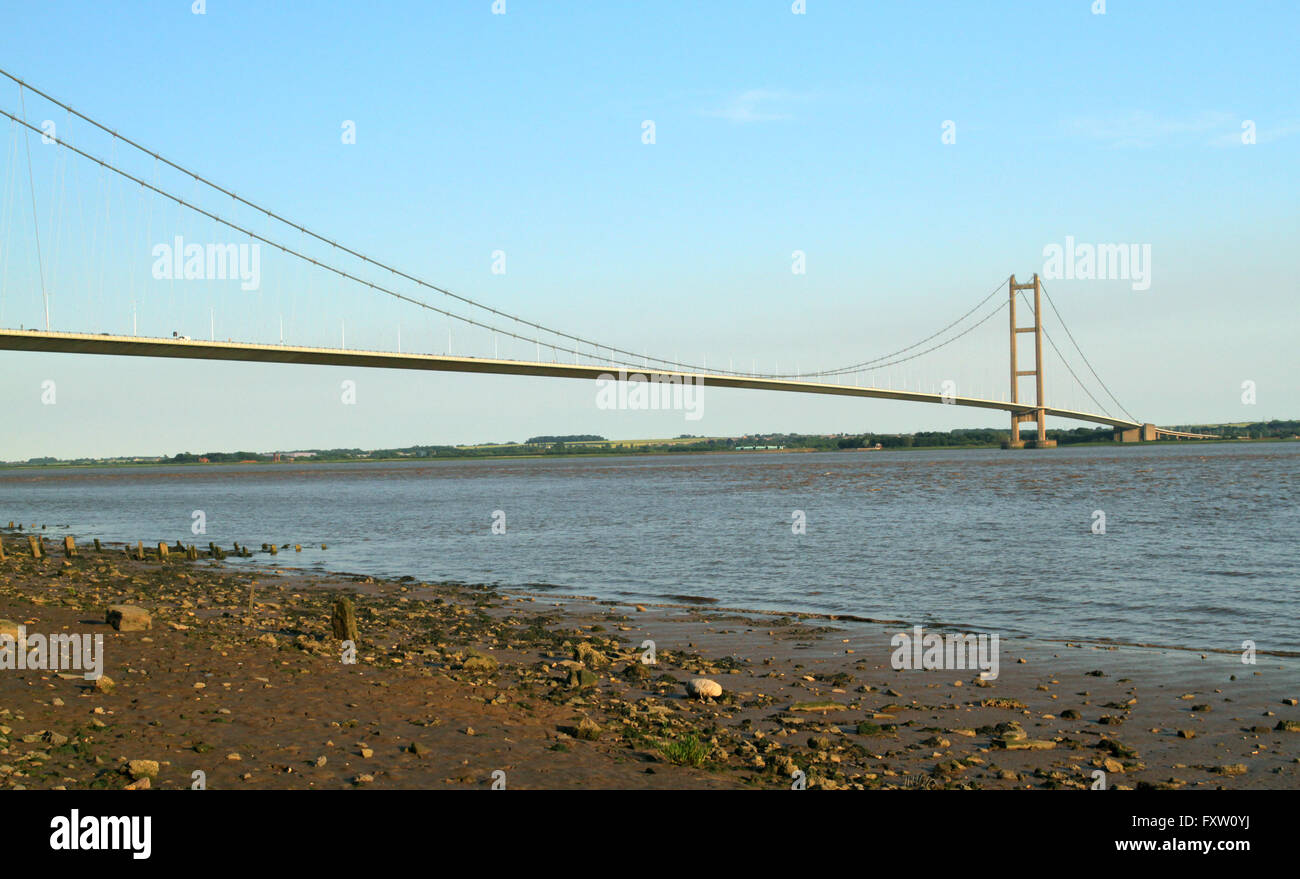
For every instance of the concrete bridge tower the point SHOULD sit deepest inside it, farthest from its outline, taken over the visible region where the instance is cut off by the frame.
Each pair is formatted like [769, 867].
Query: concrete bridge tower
[1039, 413]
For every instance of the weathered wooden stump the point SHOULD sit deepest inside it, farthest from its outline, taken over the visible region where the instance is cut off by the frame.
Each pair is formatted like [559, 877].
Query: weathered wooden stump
[34, 543]
[98, 546]
[162, 551]
[69, 547]
[344, 620]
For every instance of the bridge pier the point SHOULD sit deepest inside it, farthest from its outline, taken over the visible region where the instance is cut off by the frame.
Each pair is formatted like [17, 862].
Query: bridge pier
[1039, 441]
[1146, 434]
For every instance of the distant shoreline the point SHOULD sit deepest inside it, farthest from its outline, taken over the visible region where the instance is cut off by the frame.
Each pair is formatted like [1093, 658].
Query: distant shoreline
[604, 453]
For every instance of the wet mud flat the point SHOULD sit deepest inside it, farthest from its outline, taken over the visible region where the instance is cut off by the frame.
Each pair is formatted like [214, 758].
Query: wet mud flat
[240, 683]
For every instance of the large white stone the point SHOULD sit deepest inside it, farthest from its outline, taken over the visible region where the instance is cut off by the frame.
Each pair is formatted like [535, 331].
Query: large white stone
[703, 688]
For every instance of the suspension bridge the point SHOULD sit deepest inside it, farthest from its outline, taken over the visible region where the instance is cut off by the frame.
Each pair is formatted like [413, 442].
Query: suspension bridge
[54, 236]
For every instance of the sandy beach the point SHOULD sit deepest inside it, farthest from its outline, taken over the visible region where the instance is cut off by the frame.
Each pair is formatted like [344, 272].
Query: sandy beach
[240, 683]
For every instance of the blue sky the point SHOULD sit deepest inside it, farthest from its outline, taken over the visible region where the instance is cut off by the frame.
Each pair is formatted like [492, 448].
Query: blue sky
[774, 132]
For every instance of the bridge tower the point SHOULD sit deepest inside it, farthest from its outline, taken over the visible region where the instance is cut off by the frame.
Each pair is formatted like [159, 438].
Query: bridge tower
[1039, 414]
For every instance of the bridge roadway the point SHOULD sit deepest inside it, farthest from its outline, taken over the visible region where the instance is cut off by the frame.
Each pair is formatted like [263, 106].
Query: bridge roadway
[193, 349]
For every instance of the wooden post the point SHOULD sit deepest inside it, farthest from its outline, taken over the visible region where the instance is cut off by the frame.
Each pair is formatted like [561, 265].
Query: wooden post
[162, 551]
[98, 546]
[2, 550]
[344, 620]
[69, 547]
[34, 543]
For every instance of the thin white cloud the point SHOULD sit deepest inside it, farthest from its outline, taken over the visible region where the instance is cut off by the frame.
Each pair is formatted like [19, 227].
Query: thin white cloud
[757, 105]
[1142, 129]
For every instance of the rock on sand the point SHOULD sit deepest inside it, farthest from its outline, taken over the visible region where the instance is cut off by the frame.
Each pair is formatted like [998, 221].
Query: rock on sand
[703, 688]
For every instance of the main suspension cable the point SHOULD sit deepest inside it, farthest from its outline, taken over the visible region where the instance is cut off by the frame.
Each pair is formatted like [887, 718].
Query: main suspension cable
[642, 357]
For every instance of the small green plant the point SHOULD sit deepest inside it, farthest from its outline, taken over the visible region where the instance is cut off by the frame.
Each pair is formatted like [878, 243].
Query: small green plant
[687, 751]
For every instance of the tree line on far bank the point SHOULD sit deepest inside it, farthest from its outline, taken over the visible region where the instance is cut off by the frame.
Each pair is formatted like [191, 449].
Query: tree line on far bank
[590, 444]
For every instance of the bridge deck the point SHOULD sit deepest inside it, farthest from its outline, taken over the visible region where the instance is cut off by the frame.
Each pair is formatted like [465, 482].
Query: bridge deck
[135, 346]
[1180, 434]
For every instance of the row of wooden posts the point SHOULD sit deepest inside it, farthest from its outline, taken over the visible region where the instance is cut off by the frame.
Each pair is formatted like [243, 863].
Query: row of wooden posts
[36, 546]
[342, 620]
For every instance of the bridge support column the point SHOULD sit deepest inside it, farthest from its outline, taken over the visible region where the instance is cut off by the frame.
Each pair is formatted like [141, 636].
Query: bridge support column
[1039, 413]
[1148, 433]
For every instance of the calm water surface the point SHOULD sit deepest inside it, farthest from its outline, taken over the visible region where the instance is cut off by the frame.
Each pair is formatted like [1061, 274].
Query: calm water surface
[1199, 549]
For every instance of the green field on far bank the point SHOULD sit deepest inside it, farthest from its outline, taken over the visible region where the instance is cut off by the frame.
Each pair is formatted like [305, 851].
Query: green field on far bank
[591, 445]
